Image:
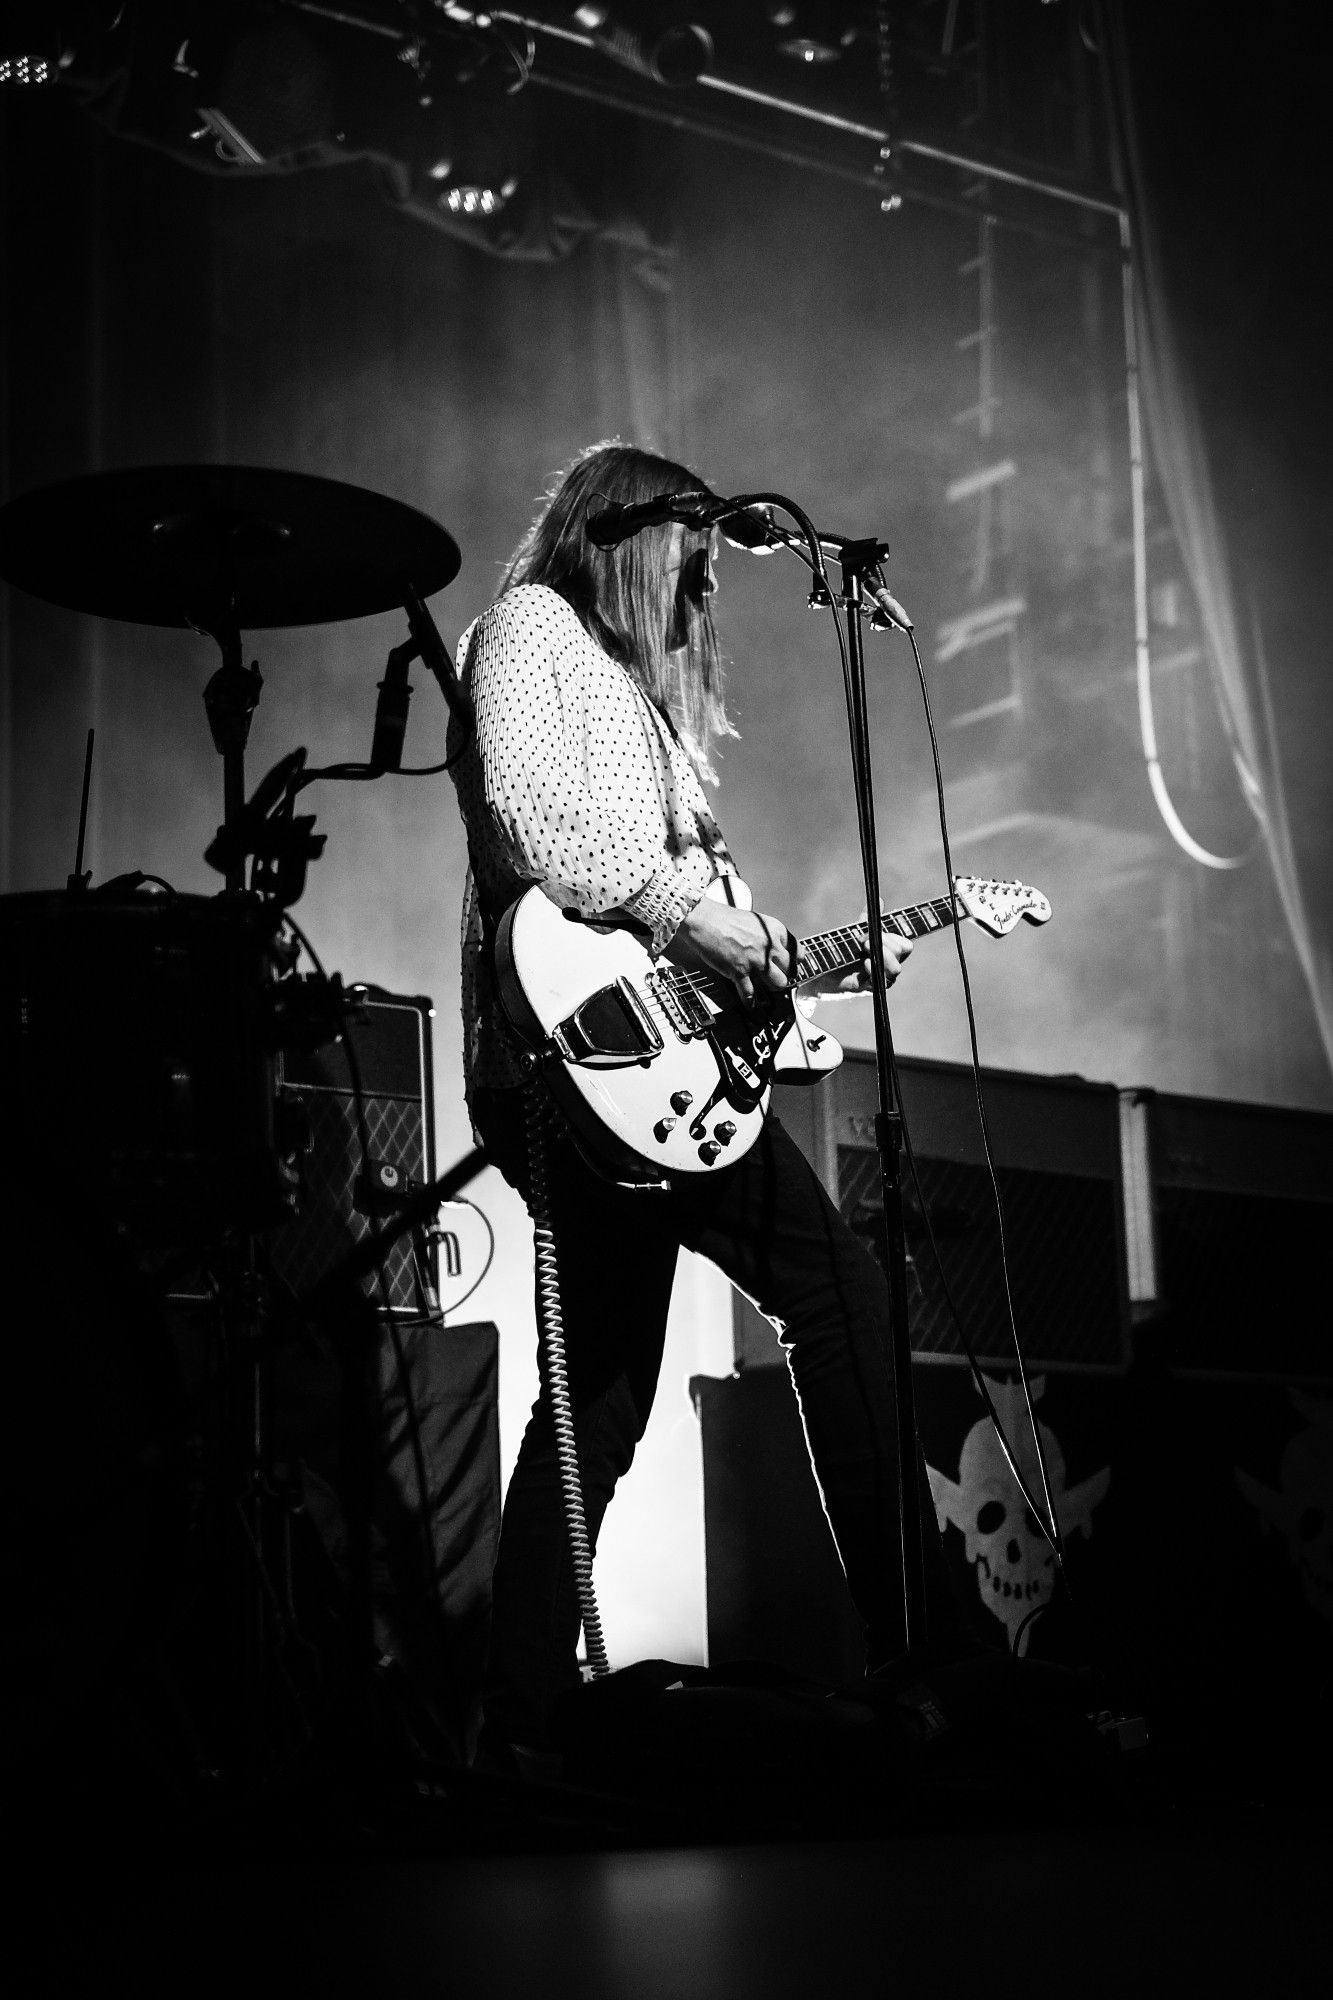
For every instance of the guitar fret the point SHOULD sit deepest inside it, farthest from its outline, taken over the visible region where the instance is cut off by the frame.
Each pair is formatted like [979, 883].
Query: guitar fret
[829, 955]
[833, 950]
[815, 956]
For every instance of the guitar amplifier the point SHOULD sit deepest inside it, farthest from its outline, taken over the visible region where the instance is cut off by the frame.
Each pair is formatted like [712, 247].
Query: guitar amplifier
[1230, 1209]
[345, 1185]
[1056, 1147]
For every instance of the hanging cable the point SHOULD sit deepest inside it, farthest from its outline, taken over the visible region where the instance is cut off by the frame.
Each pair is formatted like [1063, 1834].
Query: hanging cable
[1171, 819]
[1049, 1522]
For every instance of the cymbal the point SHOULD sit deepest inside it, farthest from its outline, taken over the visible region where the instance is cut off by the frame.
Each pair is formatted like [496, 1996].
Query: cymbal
[221, 546]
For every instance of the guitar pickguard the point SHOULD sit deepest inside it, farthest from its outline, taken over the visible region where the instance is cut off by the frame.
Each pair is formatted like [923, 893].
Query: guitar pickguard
[744, 1056]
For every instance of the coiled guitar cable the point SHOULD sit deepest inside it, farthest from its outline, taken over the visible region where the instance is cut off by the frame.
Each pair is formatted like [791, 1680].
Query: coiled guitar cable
[551, 1317]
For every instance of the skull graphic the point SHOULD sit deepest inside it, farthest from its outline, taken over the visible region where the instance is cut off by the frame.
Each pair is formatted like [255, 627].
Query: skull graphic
[1014, 1563]
[1302, 1510]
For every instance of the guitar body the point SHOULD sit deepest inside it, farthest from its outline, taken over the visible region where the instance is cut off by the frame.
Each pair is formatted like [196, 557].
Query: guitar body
[662, 1071]
[692, 1104]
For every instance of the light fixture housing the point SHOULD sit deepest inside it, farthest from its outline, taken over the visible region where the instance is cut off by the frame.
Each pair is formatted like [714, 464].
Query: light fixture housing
[672, 53]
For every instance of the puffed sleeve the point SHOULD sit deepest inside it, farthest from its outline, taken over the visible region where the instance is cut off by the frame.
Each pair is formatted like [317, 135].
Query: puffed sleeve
[569, 786]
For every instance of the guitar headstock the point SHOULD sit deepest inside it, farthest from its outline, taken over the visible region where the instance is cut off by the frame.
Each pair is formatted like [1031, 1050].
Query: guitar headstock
[997, 906]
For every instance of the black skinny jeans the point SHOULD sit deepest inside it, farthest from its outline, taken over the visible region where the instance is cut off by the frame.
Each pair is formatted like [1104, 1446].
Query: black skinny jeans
[768, 1223]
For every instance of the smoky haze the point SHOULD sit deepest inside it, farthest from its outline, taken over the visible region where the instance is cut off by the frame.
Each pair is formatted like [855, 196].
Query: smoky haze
[796, 340]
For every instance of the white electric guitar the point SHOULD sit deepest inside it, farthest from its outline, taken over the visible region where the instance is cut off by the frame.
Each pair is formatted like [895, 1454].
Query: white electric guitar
[660, 1070]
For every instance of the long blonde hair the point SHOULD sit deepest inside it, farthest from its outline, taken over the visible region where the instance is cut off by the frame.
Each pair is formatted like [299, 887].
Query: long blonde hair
[626, 596]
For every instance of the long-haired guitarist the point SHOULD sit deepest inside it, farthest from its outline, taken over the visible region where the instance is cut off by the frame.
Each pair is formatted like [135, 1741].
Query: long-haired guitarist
[597, 690]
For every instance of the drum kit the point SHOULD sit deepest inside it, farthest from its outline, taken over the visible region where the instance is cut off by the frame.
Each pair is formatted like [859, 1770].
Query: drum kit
[142, 1034]
[158, 1017]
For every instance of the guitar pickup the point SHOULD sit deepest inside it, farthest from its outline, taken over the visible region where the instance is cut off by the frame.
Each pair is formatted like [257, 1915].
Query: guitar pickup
[612, 1029]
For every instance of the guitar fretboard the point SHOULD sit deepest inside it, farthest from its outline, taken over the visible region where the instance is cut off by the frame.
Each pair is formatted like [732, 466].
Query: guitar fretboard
[828, 951]
[839, 950]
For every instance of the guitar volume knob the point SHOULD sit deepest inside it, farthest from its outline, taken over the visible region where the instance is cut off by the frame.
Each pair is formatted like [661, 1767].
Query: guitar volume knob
[725, 1132]
[709, 1151]
[681, 1100]
[663, 1129]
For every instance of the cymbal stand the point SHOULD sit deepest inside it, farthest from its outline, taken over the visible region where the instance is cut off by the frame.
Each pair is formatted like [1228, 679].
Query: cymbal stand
[230, 700]
[80, 878]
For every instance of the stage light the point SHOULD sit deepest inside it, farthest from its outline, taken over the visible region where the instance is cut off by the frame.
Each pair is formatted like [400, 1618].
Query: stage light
[30, 49]
[470, 196]
[25, 72]
[39, 40]
[478, 201]
[811, 34]
[482, 154]
[271, 95]
[673, 53]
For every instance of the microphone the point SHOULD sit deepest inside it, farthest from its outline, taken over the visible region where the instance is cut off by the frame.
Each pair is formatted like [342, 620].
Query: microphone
[615, 523]
[888, 611]
[752, 529]
[755, 530]
[386, 747]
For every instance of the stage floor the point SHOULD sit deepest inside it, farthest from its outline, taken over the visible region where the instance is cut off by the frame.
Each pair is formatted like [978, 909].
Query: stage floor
[1211, 1897]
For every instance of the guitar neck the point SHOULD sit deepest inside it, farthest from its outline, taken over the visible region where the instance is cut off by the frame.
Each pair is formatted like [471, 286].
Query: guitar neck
[839, 950]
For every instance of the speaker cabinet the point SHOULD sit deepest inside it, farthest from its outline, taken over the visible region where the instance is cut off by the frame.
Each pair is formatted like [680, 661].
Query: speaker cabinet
[1234, 1232]
[436, 1390]
[1055, 1142]
[349, 1179]
[1169, 1263]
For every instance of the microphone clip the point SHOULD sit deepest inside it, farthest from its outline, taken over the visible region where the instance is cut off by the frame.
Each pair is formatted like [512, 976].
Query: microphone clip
[861, 559]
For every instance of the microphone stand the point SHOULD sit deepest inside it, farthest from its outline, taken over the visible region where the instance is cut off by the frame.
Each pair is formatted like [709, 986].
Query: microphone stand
[752, 529]
[856, 560]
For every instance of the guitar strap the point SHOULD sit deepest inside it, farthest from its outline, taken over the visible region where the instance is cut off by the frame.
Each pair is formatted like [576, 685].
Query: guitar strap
[490, 919]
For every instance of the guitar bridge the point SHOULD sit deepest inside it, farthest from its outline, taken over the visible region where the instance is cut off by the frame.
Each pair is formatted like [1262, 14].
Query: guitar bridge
[611, 1029]
[673, 1004]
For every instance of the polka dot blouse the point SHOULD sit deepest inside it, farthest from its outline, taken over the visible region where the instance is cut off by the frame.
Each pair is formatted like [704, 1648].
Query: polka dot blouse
[573, 780]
